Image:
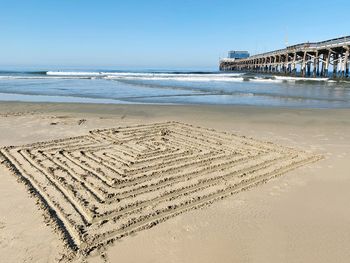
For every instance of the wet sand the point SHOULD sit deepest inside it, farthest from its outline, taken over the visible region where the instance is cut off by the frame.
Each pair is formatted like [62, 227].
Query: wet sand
[301, 216]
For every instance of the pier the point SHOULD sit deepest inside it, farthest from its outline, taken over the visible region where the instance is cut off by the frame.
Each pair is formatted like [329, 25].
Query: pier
[328, 58]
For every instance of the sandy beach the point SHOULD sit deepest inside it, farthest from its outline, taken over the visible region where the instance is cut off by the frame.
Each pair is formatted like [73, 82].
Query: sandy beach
[295, 214]
[177, 132]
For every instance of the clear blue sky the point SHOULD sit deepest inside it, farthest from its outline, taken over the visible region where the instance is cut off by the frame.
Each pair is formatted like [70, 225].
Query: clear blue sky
[158, 33]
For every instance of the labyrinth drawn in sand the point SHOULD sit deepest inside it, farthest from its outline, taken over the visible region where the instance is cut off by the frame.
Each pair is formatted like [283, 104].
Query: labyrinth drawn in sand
[107, 184]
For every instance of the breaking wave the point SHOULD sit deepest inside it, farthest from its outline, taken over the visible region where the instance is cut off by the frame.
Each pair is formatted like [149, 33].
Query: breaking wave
[157, 76]
[182, 76]
[299, 78]
[196, 76]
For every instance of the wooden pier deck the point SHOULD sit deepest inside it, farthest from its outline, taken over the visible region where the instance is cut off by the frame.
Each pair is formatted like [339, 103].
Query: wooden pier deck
[328, 58]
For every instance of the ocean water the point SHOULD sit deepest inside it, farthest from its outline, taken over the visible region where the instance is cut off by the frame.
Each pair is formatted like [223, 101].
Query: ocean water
[172, 87]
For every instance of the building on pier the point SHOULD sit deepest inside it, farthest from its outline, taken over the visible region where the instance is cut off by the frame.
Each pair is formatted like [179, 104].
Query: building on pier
[233, 54]
[328, 58]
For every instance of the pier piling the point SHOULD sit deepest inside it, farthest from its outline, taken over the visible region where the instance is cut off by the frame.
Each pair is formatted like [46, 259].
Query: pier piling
[306, 59]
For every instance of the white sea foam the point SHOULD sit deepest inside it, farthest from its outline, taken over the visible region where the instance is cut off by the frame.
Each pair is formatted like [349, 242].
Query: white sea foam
[172, 74]
[190, 77]
[148, 76]
[159, 76]
[72, 73]
[257, 79]
[42, 77]
[178, 78]
[300, 78]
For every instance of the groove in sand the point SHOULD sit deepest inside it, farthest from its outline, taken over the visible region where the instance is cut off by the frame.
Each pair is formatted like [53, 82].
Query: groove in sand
[112, 182]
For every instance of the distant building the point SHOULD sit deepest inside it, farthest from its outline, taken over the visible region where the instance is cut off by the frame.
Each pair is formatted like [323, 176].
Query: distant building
[238, 54]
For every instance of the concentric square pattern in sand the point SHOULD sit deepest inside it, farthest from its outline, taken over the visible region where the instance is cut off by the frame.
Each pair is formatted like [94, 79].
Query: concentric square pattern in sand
[105, 185]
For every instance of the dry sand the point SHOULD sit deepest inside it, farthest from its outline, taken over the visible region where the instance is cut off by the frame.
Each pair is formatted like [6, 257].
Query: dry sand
[140, 165]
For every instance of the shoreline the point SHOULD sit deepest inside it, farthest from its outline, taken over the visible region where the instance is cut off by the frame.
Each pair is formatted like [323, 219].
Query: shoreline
[74, 105]
[98, 101]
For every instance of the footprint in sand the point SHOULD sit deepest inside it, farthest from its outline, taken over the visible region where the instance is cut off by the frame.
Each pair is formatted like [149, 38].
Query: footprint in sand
[2, 225]
[82, 121]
